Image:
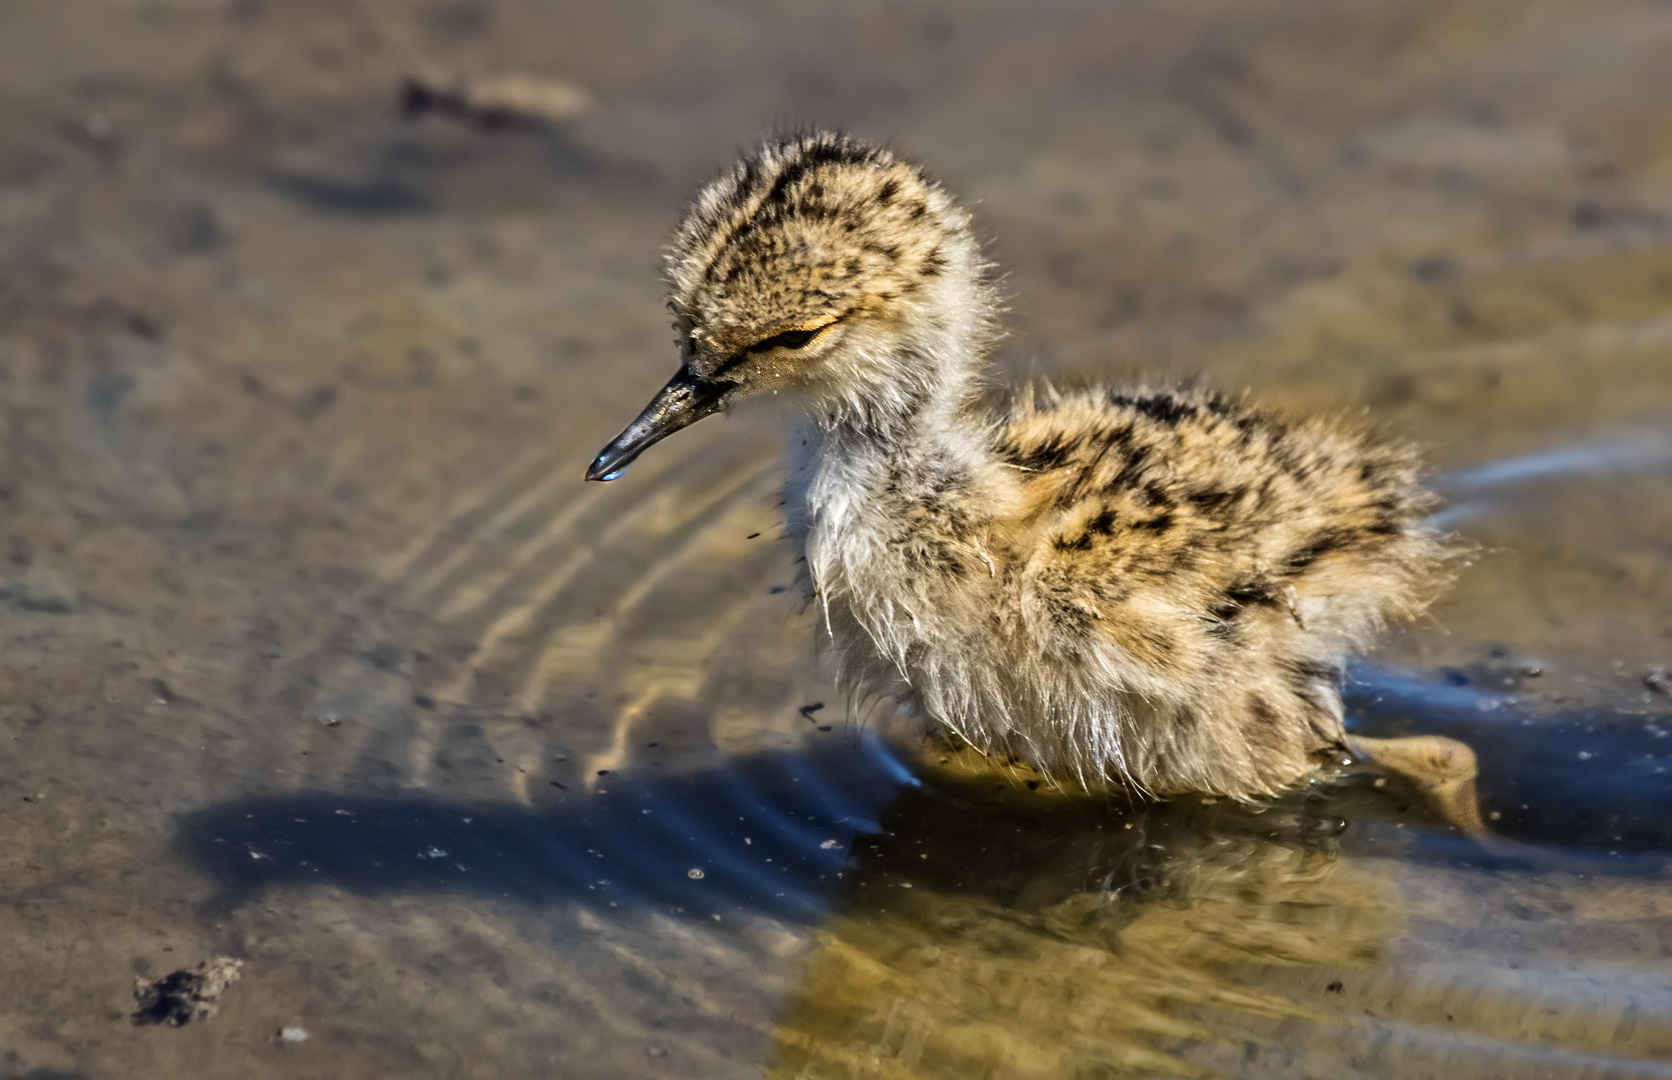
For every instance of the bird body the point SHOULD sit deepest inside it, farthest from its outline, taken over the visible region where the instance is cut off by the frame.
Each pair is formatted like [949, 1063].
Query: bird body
[1153, 587]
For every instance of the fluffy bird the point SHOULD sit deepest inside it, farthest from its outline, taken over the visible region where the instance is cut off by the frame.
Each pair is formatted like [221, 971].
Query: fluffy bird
[1146, 586]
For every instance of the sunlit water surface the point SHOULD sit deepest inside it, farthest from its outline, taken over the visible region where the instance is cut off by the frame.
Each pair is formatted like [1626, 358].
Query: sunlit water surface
[319, 654]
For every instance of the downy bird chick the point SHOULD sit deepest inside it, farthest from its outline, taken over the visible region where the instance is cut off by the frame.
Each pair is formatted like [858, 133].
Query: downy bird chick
[1150, 587]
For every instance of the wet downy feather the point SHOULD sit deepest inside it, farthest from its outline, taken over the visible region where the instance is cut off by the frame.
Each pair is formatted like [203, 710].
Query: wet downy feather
[1152, 586]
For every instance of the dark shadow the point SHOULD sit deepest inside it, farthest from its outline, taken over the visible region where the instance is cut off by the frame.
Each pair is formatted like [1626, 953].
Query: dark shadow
[791, 835]
[768, 834]
[779, 834]
[354, 196]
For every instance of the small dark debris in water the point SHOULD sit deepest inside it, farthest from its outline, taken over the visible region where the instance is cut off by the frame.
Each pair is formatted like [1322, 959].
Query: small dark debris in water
[807, 711]
[165, 693]
[752, 536]
[492, 101]
[1336, 987]
[653, 745]
[776, 589]
[195, 230]
[423, 701]
[313, 404]
[1033, 785]
[106, 391]
[35, 798]
[1532, 671]
[603, 772]
[1454, 677]
[1659, 680]
[1432, 269]
[1588, 214]
[560, 787]
[386, 656]
[824, 727]
[185, 995]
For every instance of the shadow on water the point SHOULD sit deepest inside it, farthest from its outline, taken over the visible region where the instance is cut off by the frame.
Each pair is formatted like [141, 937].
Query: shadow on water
[957, 923]
[767, 834]
[1592, 783]
[790, 834]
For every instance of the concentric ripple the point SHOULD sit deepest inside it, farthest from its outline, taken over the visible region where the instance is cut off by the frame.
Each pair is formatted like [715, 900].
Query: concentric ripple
[607, 699]
[603, 693]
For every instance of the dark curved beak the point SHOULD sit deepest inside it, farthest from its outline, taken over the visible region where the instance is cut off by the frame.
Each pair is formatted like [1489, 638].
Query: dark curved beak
[685, 400]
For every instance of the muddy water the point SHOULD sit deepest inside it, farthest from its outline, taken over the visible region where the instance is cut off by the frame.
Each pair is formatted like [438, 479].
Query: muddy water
[318, 653]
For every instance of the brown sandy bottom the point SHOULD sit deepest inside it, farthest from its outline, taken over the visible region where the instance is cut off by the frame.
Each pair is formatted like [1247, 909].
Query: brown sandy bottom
[318, 654]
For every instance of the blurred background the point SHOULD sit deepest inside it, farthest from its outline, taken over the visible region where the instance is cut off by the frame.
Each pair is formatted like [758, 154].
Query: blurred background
[304, 348]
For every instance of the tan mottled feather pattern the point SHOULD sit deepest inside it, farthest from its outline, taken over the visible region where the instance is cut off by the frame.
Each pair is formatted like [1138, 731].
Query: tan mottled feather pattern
[1149, 586]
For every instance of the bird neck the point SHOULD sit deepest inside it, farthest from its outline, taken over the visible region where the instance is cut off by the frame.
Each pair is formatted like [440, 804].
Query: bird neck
[903, 396]
[911, 429]
[908, 448]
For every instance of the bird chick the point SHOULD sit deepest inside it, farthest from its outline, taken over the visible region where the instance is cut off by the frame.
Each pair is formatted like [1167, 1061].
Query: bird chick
[1146, 586]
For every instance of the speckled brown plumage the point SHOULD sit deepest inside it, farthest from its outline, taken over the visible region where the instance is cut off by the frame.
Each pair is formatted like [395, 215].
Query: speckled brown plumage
[1220, 548]
[1148, 586]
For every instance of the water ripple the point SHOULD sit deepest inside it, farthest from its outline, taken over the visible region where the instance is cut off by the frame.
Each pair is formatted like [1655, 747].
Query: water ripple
[605, 698]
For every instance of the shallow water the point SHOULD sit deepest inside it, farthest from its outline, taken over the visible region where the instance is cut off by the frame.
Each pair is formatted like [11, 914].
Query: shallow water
[318, 653]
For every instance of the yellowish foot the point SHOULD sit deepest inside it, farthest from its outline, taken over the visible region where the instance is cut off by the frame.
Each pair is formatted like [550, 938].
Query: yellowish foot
[1441, 770]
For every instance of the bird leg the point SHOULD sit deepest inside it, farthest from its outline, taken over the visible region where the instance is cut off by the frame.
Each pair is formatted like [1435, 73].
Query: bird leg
[1442, 771]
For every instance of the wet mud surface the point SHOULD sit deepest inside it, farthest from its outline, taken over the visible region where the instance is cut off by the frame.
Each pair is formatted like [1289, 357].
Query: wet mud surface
[315, 650]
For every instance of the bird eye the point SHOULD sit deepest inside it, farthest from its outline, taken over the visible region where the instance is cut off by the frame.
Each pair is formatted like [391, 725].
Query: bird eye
[789, 339]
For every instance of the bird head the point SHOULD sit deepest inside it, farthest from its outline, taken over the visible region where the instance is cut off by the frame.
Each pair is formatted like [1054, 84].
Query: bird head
[819, 267]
